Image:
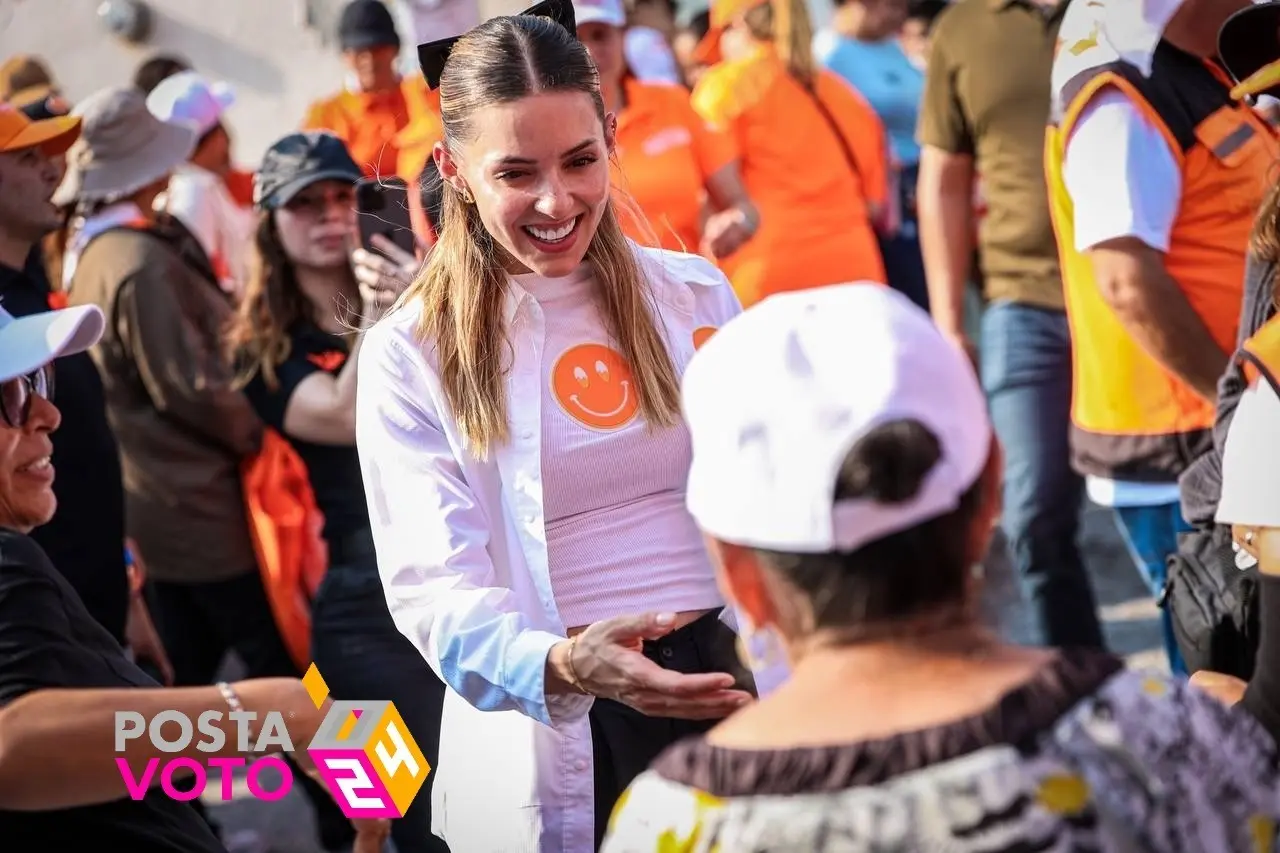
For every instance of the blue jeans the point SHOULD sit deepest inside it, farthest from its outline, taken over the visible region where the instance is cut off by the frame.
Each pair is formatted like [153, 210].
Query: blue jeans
[1151, 532]
[1026, 372]
[362, 655]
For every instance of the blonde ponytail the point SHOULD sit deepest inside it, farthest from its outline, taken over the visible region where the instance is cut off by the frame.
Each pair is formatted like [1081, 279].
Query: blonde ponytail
[787, 24]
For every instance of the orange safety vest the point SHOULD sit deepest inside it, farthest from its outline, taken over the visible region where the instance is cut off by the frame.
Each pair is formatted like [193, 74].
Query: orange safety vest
[1259, 356]
[287, 529]
[1133, 419]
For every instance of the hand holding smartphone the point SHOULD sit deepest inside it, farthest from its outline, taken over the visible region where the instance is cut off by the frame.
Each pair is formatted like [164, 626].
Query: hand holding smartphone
[382, 209]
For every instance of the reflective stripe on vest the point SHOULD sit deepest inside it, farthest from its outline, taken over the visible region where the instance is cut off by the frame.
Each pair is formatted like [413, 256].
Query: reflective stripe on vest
[1132, 418]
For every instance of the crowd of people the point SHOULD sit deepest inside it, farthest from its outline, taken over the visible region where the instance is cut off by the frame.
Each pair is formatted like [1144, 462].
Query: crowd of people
[656, 485]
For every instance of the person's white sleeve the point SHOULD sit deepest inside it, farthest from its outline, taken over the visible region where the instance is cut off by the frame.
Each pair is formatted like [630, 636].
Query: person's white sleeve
[1123, 178]
[431, 535]
[194, 205]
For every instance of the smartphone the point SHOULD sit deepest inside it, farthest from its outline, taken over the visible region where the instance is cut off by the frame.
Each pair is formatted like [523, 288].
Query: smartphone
[382, 207]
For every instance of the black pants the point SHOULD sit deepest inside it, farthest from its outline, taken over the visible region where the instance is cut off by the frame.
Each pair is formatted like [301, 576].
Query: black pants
[625, 742]
[364, 656]
[199, 623]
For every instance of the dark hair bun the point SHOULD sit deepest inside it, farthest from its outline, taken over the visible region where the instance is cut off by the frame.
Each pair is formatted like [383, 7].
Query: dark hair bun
[889, 463]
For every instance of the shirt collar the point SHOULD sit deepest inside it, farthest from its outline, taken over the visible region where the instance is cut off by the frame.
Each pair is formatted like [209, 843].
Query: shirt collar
[669, 289]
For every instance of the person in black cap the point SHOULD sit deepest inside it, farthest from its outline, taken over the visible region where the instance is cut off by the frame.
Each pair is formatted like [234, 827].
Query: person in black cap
[376, 103]
[292, 343]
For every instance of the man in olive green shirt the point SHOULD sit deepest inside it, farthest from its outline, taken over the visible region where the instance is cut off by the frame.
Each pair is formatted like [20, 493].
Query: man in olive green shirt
[984, 112]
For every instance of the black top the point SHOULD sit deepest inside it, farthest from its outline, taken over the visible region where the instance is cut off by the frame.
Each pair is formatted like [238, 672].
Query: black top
[334, 470]
[48, 640]
[85, 539]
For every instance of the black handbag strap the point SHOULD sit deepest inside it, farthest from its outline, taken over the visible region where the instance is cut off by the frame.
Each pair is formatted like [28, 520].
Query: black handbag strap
[849, 156]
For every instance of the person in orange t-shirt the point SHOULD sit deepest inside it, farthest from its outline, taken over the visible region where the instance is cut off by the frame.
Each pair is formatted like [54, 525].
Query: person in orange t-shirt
[814, 154]
[415, 144]
[677, 179]
[377, 103]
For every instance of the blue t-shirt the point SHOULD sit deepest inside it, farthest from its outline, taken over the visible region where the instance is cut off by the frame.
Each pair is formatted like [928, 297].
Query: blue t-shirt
[882, 74]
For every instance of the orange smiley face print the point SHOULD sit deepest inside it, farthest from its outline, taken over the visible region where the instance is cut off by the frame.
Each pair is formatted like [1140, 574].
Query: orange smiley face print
[594, 386]
[701, 335]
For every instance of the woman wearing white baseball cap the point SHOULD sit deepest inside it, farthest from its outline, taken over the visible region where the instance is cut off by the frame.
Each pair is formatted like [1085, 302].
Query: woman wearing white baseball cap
[197, 193]
[845, 471]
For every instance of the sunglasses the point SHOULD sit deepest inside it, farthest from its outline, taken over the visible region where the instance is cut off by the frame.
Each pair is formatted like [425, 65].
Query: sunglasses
[17, 393]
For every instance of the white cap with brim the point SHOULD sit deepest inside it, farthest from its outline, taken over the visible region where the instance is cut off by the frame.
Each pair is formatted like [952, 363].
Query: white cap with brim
[609, 12]
[1250, 486]
[776, 399]
[187, 98]
[30, 342]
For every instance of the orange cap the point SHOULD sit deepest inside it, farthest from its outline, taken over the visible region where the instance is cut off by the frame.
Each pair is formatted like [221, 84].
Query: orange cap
[722, 14]
[53, 135]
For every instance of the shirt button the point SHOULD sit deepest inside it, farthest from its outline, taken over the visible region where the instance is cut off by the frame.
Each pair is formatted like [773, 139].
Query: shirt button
[527, 434]
[580, 765]
[667, 653]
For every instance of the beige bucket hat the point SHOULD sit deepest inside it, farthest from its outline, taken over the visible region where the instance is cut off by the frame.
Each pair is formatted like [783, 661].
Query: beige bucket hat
[122, 148]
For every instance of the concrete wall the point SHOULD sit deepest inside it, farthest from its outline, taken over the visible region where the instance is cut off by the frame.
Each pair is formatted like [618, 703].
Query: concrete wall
[275, 52]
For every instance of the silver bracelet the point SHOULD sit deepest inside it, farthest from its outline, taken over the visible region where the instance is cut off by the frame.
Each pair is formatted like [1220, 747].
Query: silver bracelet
[232, 699]
[229, 695]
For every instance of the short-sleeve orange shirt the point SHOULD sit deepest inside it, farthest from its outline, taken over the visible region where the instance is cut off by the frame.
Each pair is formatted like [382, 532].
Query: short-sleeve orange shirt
[815, 226]
[665, 154]
[368, 122]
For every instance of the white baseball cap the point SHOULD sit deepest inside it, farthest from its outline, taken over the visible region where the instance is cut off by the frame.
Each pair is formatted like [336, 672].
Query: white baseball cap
[1250, 486]
[31, 342]
[187, 98]
[600, 12]
[776, 399]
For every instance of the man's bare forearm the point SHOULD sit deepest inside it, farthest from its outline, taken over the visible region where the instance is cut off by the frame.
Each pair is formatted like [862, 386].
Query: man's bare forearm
[1155, 312]
[945, 199]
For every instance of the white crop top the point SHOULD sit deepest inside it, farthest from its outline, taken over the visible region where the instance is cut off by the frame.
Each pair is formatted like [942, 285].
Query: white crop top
[619, 539]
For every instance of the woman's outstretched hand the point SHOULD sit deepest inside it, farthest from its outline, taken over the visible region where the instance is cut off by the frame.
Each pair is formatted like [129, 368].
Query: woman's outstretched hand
[606, 660]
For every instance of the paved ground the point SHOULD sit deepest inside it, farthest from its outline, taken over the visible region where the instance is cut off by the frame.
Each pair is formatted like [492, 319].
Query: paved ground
[1131, 624]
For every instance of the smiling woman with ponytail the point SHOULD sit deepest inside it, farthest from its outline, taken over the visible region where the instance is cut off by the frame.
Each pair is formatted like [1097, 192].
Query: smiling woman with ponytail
[814, 155]
[525, 458]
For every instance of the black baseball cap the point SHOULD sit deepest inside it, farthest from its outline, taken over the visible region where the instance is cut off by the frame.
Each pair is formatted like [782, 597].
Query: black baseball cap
[367, 24]
[1249, 45]
[296, 162]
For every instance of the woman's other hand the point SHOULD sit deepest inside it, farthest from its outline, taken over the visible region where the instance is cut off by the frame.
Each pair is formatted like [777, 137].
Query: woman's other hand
[382, 275]
[1227, 689]
[607, 660]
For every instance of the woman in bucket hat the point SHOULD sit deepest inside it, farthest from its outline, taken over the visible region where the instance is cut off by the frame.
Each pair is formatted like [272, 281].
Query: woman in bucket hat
[184, 429]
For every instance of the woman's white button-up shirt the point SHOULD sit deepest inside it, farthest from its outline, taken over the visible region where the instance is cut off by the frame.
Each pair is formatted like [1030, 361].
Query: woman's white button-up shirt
[463, 559]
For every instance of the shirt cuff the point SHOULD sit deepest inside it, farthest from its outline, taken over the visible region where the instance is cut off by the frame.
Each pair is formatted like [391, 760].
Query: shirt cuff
[527, 677]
